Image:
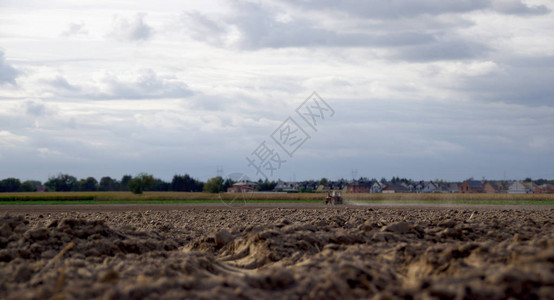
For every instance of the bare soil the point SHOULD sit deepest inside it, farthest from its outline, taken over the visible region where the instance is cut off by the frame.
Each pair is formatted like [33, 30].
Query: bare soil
[276, 252]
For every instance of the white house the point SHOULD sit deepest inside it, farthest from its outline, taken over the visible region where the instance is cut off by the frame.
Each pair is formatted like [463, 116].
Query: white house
[448, 188]
[517, 187]
[376, 187]
[283, 186]
[429, 187]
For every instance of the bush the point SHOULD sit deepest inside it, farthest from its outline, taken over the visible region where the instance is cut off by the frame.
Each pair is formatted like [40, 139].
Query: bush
[140, 183]
[9, 185]
[215, 185]
[62, 183]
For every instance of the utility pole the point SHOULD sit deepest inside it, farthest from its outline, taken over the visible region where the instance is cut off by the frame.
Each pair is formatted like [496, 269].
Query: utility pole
[354, 174]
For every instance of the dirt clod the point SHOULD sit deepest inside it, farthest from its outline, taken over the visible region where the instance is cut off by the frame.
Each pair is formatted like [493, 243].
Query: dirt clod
[398, 227]
[223, 237]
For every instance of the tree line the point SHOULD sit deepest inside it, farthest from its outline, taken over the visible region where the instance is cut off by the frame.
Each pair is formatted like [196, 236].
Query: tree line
[138, 184]
[179, 183]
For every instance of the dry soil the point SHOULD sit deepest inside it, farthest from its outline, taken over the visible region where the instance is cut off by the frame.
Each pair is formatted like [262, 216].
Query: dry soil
[272, 252]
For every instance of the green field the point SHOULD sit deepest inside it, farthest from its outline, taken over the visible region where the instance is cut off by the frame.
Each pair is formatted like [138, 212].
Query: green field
[195, 198]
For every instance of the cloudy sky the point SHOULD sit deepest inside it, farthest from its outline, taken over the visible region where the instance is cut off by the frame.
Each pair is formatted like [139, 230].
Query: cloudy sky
[423, 89]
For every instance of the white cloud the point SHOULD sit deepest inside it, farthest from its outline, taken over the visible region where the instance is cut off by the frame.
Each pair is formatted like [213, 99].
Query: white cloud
[59, 82]
[127, 84]
[75, 29]
[10, 140]
[135, 29]
[141, 84]
[200, 27]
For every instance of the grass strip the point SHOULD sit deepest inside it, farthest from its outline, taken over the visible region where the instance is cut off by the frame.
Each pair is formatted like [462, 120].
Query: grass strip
[184, 197]
[78, 202]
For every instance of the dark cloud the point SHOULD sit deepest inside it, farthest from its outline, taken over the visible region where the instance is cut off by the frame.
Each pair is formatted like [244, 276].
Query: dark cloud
[386, 9]
[7, 72]
[522, 80]
[131, 30]
[443, 49]
[516, 7]
[303, 34]
[259, 27]
[34, 108]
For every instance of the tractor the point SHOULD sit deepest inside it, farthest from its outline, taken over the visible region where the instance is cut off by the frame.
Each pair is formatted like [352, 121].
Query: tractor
[333, 197]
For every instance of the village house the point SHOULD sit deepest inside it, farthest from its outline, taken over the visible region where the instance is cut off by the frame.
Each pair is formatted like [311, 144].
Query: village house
[332, 186]
[544, 189]
[376, 187]
[359, 187]
[310, 185]
[283, 186]
[519, 187]
[393, 188]
[243, 186]
[430, 187]
[411, 187]
[472, 186]
[418, 187]
[491, 187]
[425, 187]
[451, 187]
[336, 185]
[530, 186]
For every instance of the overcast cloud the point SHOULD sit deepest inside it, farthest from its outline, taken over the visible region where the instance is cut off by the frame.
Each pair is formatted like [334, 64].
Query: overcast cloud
[7, 72]
[422, 89]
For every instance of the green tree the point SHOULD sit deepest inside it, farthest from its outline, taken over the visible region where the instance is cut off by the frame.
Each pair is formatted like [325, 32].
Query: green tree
[304, 189]
[185, 183]
[266, 185]
[542, 181]
[88, 185]
[228, 183]
[160, 186]
[215, 185]
[108, 184]
[29, 186]
[124, 186]
[324, 181]
[9, 185]
[141, 183]
[62, 183]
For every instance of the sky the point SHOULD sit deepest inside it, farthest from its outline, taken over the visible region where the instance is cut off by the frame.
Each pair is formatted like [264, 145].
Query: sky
[428, 89]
